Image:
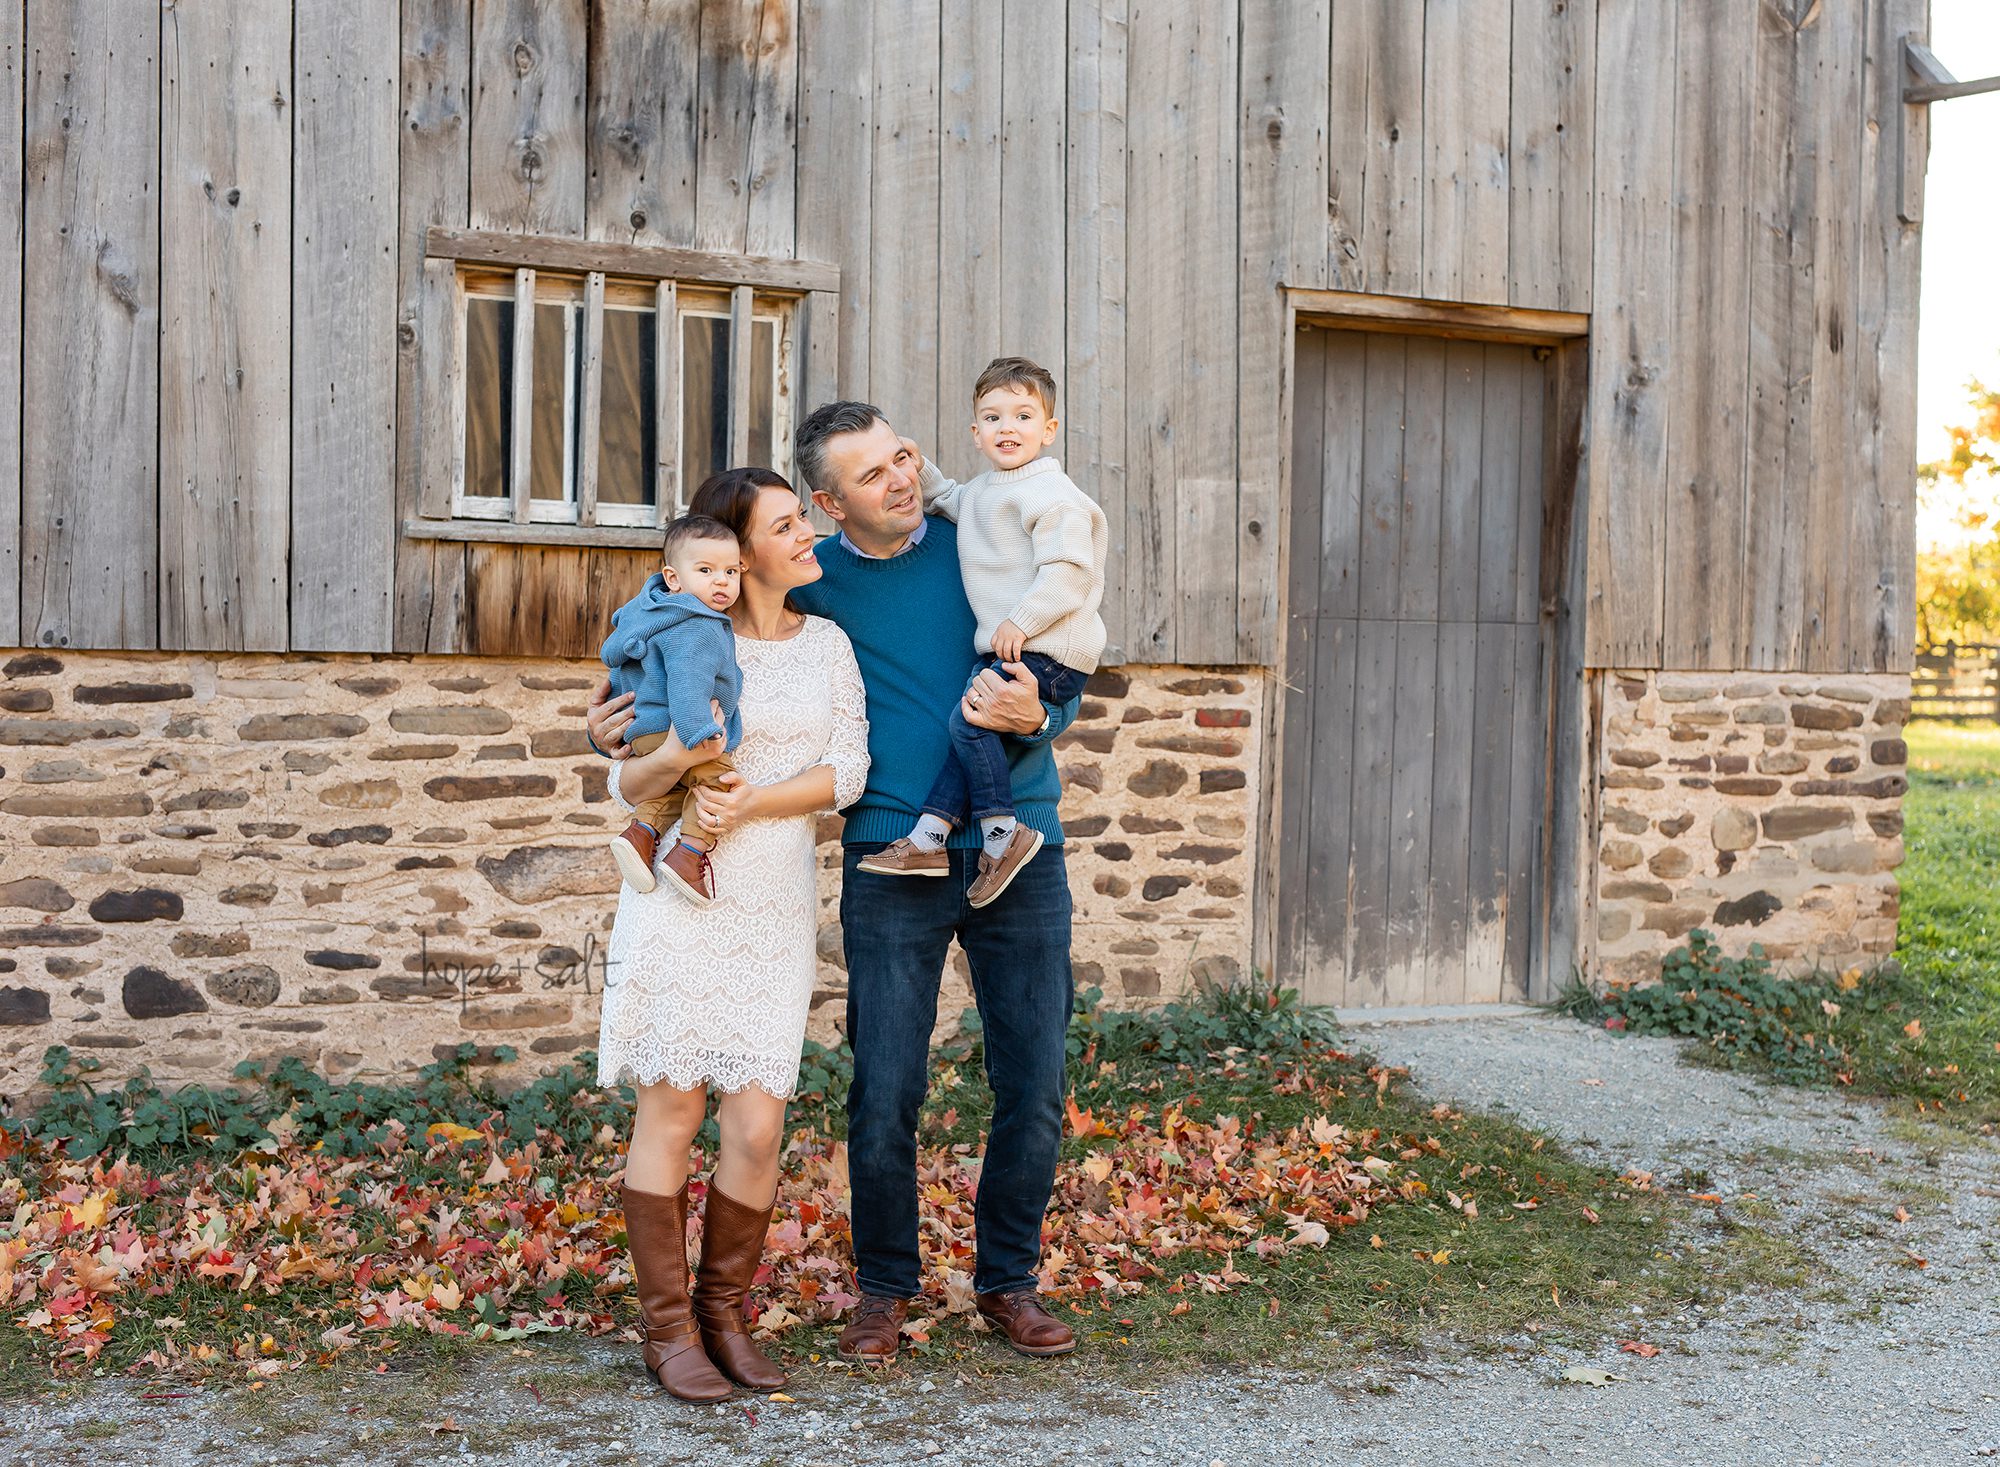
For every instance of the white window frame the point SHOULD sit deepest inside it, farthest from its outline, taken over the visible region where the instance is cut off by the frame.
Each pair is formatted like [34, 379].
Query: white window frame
[588, 279]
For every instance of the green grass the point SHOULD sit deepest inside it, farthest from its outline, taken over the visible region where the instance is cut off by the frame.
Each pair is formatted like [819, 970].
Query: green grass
[1950, 939]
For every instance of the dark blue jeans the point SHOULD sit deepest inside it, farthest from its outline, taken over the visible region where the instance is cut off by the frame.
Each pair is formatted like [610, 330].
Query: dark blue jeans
[975, 781]
[896, 932]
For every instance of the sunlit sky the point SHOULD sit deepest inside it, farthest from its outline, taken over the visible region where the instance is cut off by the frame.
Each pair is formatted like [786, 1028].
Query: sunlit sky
[1959, 326]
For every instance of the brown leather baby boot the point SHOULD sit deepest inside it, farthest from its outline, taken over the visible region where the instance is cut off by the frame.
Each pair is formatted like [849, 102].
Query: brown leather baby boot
[656, 1239]
[732, 1243]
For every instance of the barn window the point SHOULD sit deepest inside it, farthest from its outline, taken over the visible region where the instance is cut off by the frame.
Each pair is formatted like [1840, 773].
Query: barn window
[589, 403]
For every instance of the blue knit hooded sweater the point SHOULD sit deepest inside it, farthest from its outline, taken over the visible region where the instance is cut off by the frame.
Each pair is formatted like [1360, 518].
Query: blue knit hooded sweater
[677, 653]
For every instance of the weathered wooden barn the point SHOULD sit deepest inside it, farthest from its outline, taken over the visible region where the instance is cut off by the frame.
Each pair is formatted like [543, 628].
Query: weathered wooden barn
[1504, 410]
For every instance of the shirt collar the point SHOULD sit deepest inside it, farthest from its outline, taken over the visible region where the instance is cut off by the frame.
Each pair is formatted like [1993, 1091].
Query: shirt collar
[916, 539]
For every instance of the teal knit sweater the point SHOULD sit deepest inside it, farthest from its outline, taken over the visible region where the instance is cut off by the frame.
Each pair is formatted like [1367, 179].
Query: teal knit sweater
[912, 631]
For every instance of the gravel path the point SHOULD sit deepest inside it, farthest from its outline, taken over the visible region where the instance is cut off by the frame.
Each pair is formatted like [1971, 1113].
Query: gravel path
[1905, 1368]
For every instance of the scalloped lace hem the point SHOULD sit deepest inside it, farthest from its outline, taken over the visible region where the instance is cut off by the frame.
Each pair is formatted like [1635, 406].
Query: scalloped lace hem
[728, 1078]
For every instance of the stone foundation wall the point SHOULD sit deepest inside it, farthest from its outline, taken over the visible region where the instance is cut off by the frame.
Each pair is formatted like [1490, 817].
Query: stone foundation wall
[366, 861]
[1762, 808]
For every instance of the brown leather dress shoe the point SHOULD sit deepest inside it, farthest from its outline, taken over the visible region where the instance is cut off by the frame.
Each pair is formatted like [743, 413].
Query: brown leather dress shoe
[904, 857]
[732, 1244]
[875, 1331]
[995, 876]
[632, 848]
[1029, 1328]
[656, 1240]
[690, 870]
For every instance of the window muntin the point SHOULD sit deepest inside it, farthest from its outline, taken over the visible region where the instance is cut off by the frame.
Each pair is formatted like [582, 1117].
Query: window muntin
[629, 466]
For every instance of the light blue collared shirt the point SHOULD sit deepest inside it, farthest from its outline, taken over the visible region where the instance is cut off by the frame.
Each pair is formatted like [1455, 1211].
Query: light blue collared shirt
[916, 539]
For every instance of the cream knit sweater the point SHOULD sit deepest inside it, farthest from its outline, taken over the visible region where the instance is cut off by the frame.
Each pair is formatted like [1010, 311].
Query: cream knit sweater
[1031, 549]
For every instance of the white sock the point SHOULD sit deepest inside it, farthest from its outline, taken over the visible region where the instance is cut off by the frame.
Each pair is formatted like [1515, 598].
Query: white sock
[995, 834]
[931, 833]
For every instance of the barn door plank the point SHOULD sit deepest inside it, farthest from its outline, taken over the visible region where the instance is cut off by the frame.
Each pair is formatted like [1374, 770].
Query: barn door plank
[1524, 807]
[1706, 437]
[1309, 488]
[90, 363]
[1373, 820]
[1500, 493]
[1095, 281]
[903, 253]
[1343, 438]
[1382, 474]
[1294, 804]
[1492, 793]
[1417, 593]
[1532, 477]
[1457, 718]
[433, 187]
[1329, 846]
[343, 483]
[1458, 530]
[1406, 978]
[226, 324]
[529, 76]
[1466, 93]
[13, 63]
[640, 140]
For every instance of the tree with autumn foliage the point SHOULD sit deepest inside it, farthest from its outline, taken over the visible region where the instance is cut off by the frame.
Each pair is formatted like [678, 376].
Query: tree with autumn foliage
[1958, 582]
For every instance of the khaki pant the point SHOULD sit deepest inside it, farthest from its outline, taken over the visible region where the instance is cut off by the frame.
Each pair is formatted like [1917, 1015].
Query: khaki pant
[659, 811]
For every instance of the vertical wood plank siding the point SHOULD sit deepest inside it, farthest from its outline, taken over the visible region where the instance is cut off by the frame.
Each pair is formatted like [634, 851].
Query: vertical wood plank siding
[13, 72]
[90, 536]
[434, 187]
[1119, 188]
[343, 488]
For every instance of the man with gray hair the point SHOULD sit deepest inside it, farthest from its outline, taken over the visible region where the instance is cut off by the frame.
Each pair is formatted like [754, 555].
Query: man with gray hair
[891, 581]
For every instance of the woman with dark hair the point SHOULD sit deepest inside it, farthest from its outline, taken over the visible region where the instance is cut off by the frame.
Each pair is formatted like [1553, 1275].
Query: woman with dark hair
[701, 998]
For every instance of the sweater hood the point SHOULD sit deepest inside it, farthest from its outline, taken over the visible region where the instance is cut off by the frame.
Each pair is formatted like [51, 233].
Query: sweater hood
[649, 613]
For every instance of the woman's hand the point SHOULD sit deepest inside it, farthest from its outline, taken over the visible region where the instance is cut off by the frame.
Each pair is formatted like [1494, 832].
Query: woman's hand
[721, 810]
[1010, 704]
[607, 719]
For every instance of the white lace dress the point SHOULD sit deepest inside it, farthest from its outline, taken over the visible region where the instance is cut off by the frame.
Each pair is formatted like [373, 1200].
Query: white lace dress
[718, 995]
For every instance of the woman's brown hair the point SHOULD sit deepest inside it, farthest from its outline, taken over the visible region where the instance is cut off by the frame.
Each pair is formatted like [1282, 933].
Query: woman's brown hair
[731, 497]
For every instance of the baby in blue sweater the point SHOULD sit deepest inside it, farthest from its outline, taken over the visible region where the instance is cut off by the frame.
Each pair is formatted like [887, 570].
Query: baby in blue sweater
[674, 647]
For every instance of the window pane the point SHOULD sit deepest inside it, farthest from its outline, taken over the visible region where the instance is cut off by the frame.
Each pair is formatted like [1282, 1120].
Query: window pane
[704, 398]
[763, 392]
[625, 444]
[489, 393]
[547, 478]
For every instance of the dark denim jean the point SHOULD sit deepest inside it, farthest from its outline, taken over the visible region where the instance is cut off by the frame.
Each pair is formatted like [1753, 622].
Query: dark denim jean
[896, 930]
[975, 781]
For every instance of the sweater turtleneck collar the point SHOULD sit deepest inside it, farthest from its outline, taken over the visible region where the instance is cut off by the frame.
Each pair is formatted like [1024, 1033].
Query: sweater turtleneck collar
[1046, 464]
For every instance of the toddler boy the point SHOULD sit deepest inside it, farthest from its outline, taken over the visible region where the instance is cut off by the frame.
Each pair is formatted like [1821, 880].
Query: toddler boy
[1031, 550]
[674, 647]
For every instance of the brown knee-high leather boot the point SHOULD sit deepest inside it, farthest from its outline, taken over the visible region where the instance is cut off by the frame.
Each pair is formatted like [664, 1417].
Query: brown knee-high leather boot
[732, 1242]
[656, 1239]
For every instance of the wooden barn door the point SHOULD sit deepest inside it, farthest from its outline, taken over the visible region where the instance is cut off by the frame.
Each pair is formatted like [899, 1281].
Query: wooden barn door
[1412, 787]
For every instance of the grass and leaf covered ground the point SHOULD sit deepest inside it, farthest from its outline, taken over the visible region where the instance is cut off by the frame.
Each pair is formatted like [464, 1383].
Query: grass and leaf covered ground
[1234, 1183]
[1924, 1030]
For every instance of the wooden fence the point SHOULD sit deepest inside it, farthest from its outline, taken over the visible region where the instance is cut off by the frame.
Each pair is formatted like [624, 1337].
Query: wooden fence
[1958, 683]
